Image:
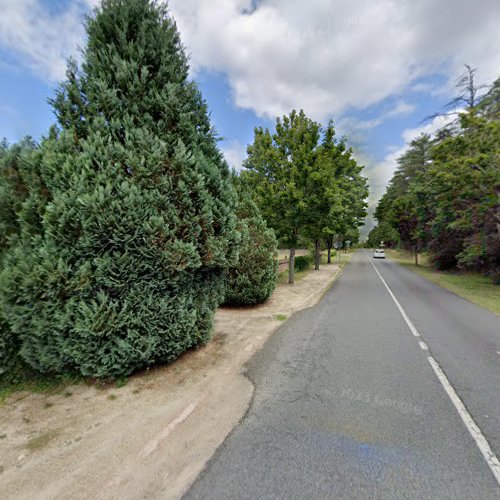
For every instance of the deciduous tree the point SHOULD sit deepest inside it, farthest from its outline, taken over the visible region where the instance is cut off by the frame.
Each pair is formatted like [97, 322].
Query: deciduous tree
[278, 167]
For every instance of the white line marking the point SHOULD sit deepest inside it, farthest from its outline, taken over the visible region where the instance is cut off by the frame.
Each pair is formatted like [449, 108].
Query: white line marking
[467, 419]
[401, 310]
[472, 427]
[423, 345]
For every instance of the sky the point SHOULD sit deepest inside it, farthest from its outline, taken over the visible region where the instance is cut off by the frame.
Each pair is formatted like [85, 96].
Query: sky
[378, 68]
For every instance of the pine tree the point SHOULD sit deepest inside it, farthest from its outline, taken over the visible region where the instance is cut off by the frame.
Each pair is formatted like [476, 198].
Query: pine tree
[138, 228]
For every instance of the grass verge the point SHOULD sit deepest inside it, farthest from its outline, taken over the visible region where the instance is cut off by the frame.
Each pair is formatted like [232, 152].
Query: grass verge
[473, 287]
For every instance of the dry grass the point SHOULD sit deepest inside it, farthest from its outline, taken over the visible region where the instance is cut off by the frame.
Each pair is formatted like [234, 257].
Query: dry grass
[41, 441]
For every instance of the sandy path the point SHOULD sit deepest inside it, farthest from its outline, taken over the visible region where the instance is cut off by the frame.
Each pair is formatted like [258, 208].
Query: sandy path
[151, 438]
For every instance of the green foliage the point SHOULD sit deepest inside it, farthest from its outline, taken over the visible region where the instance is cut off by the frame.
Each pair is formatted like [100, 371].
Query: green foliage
[127, 235]
[383, 232]
[303, 262]
[404, 206]
[445, 194]
[13, 192]
[12, 188]
[253, 279]
[336, 193]
[305, 185]
[489, 107]
[464, 183]
[277, 170]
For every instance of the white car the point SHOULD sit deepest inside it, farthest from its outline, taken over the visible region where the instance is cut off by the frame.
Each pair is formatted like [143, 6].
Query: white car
[379, 253]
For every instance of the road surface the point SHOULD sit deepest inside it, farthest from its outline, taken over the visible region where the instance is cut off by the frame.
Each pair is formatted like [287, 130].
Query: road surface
[388, 388]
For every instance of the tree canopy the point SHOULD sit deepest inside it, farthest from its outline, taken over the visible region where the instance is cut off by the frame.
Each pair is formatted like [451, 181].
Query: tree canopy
[445, 194]
[305, 182]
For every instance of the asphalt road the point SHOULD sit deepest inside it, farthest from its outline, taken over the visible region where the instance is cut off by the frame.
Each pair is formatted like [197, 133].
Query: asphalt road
[348, 405]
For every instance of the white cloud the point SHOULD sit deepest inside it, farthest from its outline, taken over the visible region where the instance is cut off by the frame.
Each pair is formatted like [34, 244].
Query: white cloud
[41, 40]
[429, 128]
[380, 174]
[332, 55]
[354, 128]
[234, 153]
[423, 87]
[279, 54]
[402, 108]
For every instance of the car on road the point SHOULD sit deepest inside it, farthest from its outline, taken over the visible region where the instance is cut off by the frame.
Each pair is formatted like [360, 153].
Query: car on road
[379, 253]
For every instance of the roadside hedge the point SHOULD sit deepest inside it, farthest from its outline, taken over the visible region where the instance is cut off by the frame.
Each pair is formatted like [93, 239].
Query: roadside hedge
[303, 262]
[254, 278]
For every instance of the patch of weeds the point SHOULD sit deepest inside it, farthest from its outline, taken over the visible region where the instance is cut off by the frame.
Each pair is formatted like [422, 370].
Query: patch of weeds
[298, 276]
[112, 397]
[68, 394]
[136, 391]
[3, 436]
[121, 382]
[48, 405]
[280, 317]
[101, 384]
[23, 379]
[41, 441]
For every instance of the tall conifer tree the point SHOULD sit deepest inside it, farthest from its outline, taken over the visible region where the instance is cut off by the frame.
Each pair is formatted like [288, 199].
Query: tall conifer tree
[126, 265]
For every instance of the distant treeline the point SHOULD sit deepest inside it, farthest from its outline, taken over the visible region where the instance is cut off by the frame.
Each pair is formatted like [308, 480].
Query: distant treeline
[445, 194]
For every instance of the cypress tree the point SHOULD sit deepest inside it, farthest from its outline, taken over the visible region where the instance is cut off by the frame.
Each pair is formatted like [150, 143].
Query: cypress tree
[13, 192]
[128, 260]
[254, 278]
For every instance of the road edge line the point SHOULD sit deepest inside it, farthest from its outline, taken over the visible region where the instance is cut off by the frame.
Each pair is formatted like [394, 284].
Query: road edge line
[471, 426]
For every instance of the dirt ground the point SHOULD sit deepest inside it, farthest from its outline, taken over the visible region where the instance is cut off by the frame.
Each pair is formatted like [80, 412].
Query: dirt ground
[152, 437]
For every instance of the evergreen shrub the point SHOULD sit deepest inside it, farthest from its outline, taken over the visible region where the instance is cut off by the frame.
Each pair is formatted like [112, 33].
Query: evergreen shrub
[303, 262]
[128, 235]
[254, 278]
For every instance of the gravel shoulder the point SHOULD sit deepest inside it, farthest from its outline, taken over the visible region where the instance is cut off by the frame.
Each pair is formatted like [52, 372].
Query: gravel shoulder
[152, 437]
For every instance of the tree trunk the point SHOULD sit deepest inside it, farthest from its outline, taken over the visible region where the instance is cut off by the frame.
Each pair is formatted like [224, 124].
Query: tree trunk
[317, 254]
[291, 267]
[329, 255]
[416, 254]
